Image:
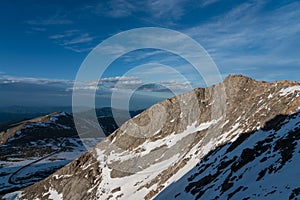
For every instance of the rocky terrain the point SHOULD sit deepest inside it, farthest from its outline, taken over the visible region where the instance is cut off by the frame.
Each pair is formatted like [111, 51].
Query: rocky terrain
[235, 140]
[33, 149]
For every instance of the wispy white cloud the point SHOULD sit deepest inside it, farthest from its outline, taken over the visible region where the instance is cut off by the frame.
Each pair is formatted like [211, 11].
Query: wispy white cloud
[162, 86]
[247, 36]
[74, 40]
[141, 55]
[176, 85]
[169, 10]
[204, 3]
[118, 78]
[172, 9]
[52, 20]
[65, 34]
[120, 8]
[244, 27]
[131, 83]
[78, 49]
[5, 79]
[151, 11]
[113, 8]
[109, 83]
[84, 38]
[38, 29]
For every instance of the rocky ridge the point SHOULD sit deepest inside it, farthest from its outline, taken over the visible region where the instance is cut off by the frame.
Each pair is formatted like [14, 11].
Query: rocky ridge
[199, 143]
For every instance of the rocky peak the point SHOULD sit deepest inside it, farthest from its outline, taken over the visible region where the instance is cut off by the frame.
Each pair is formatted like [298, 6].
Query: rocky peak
[237, 78]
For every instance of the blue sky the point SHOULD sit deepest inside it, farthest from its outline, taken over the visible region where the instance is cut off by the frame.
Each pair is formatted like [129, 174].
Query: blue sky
[43, 43]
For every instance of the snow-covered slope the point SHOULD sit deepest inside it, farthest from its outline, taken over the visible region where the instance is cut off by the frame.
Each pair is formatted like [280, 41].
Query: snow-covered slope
[210, 143]
[36, 148]
[32, 150]
[260, 165]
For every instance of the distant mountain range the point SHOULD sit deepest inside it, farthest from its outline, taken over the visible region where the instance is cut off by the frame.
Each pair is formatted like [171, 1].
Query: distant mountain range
[239, 139]
[14, 114]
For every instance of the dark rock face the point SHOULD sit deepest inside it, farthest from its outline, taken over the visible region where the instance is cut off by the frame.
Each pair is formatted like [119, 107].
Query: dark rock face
[233, 140]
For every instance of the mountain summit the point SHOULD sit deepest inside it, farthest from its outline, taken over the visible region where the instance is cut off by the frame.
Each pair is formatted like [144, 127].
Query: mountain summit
[234, 140]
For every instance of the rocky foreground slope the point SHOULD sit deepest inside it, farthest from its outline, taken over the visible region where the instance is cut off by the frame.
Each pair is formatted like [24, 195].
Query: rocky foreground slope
[235, 140]
[33, 149]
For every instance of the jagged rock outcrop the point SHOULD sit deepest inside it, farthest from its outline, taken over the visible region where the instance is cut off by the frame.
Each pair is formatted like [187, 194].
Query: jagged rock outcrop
[211, 143]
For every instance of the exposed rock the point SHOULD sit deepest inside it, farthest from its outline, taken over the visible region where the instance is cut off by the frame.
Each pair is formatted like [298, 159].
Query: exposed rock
[224, 141]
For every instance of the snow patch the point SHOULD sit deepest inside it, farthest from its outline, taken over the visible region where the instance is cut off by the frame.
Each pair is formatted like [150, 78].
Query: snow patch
[289, 90]
[270, 96]
[53, 194]
[173, 138]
